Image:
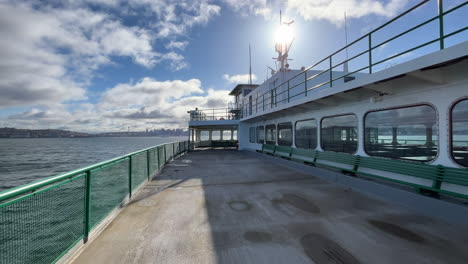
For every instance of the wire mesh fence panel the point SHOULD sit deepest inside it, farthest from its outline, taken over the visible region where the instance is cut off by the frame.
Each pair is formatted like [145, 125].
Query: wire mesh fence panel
[109, 186]
[177, 148]
[40, 227]
[161, 156]
[153, 161]
[167, 154]
[170, 148]
[139, 169]
[167, 150]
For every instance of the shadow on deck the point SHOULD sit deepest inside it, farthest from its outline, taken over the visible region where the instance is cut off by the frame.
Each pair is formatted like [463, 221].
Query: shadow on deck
[225, 206]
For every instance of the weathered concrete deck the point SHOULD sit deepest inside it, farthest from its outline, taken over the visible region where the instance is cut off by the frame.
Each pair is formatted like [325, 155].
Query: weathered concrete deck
[232, 207]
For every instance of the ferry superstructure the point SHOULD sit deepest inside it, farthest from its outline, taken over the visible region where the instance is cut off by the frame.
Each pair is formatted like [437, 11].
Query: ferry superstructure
[325, 164]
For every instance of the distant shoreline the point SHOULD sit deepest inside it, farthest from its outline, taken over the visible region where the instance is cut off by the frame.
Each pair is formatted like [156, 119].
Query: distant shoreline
[58, 133]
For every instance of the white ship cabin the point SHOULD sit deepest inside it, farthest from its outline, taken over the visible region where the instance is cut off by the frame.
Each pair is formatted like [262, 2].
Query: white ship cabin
[414, 111]
[218, 127]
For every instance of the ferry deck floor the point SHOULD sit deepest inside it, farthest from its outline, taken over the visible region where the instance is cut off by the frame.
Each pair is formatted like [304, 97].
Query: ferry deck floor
[225, 206]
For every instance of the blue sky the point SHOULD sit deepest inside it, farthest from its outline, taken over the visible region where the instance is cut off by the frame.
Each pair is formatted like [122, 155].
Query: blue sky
[106, 65]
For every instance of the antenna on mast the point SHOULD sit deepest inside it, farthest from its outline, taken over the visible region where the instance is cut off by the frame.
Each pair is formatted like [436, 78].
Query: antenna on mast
[283, 42]
[250, 66]
[345, 65]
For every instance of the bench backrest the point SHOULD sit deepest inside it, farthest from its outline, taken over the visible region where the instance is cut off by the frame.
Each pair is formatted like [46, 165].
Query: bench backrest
[436, 178]
[283, 150]
[268, 148]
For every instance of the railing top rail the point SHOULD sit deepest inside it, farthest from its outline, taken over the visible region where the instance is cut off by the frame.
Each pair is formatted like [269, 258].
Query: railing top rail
[359, 39]
[16, 191]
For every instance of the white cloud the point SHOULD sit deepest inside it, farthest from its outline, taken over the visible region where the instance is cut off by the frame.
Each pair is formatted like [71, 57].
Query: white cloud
[149, 92]
[177, 45]
[148, 103]
[49, 55]
[255, 7]
[174, 18]
[51, 51]
[333, 10]
[239, 78]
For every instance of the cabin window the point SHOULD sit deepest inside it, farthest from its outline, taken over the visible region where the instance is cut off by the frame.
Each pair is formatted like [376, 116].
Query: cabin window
[285, 134]
[408, 133]
[270, 136]
[234, 135]
[261, 134]
[252, 135]
[216, 135]
[460, 133]
[306, 134]
[204, 135]
[227, 134]
[250, 105]
[339, 133]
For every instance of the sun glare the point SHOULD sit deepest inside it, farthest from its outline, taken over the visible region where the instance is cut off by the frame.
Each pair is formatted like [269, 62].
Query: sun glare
[284, 35]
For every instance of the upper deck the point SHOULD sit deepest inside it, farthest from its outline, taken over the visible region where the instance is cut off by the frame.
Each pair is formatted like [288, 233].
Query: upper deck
[223, 206]
[363, 63]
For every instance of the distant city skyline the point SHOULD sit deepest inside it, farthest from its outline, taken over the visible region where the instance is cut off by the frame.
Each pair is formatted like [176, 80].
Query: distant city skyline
[115, 65]
[7, 132]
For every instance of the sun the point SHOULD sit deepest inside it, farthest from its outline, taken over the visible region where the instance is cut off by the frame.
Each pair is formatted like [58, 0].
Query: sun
[284, 35]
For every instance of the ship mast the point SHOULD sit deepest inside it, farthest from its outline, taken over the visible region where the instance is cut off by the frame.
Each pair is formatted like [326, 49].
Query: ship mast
[283, 42]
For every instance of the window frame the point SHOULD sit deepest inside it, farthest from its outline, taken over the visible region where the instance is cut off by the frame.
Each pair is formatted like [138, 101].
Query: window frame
[450, 131]
[357, 127]
[219, 139]
[276, 138]
[208, 139]
[230, 134]
[256, 134]
[400, 107]
[292, 134]
[317, 128]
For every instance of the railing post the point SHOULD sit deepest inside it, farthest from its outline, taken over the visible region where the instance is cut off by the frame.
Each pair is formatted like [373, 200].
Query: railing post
[288, 91]
[275, 97]
[173, 151]
[305, 83]
[148, 164]
[331, 73]
[256, 104]
[263, 100]
[158, 157]
[370, 53]
[165, 155]
[129, 176]
[441, 23]
[87, 215]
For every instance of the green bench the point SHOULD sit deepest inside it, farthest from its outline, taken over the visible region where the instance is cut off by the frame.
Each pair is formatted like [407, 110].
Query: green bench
[341, 161]
[283, 152]
[223, 143]
[304, 155]
[427, 179]
[452, 181]
[268, 149]
[423, 177]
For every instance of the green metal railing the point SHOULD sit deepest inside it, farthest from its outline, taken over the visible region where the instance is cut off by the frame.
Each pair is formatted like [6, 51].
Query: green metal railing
[41, 221]
[269, 99]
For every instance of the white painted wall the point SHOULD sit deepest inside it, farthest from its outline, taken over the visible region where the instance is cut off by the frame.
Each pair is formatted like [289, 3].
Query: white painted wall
[406, 91]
